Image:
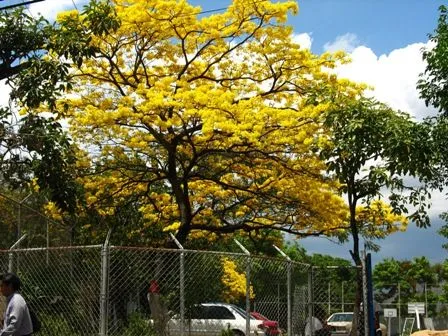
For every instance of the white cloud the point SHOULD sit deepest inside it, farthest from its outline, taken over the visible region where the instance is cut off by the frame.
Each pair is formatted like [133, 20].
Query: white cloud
[50, 11]
[347, 42]
[304, 40]
[4, 93]
[393, 76]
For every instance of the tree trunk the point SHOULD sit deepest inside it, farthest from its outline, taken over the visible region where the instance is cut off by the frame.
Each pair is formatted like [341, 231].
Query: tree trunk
[358, 321]
[180, 192]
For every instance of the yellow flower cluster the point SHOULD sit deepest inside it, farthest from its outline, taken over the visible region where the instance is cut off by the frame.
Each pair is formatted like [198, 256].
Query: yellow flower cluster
[378, 220]
[235, 283]
[52, 211]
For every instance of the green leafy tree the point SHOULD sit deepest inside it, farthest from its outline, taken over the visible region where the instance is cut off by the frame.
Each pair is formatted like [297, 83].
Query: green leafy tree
[420, 272]
[387, 279]
[373, 147]
[433, 84]
[410, 281]
[35, 147]
[26, 41]
[433, 87]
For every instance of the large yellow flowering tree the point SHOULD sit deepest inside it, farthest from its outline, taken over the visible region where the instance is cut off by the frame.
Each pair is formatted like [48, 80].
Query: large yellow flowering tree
[205, 122]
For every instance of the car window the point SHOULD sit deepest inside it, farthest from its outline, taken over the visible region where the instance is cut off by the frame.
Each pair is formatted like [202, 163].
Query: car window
[341, 318]
[197, 313]
[242, 312]
[218, 313]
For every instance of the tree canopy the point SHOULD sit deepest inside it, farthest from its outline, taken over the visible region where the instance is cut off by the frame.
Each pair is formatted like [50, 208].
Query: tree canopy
[433, 86]
[433, 83]
[206, 122]
[207, 125]
[372, 147]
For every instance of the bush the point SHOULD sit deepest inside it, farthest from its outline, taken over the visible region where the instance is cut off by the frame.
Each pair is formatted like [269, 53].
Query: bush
[138, 326]
[55, 325]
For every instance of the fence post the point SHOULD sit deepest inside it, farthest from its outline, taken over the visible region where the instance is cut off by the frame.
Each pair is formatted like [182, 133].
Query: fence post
[370, 305]
[311, 300]
[181, 285]
[11, 255]
[247, 253]
[399, 307]
[104, 309]
[364, 294]
[47, 256]
[288, 286]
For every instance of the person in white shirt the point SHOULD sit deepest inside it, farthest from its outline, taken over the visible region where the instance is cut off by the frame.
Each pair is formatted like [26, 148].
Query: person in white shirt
[317, 325]
[17, 320]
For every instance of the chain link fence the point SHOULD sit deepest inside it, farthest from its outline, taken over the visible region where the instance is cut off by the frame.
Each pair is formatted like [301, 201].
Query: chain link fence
[102, 290]
[17, 218]
[401, 299]
[61, 285]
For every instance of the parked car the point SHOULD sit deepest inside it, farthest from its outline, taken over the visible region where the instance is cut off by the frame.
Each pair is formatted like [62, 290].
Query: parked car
[338, 322]
[270, 327]
[207, 319]
[342, 323]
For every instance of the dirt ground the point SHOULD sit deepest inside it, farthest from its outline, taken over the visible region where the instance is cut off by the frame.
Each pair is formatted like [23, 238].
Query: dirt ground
[430, 333]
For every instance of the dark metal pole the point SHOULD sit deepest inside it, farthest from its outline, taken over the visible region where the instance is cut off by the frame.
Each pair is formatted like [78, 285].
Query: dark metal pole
[370, 305]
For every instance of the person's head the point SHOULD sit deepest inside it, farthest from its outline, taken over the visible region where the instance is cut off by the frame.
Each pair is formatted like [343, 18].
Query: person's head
[10, 283]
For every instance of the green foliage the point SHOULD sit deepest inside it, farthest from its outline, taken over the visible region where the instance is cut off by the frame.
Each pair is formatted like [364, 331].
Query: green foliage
[25, 40]
[408, 280]
[55, 325]
[227, 332]
[22, 38]
[14, 165]
[374, 147]
[433, 83]
[137, 325]
[52, 159]
[433, 87]
[444, 230]
[298, 253]
[38, 147]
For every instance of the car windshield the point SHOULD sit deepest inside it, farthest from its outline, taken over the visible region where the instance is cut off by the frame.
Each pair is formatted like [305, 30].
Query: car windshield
[242, 312]
[341, 317]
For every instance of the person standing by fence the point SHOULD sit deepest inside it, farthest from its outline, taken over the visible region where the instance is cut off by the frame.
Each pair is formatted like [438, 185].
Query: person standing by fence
[17, 319]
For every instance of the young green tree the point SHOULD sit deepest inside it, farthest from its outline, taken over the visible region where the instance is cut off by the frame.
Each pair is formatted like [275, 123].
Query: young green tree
[433, 87]
[433, 84]
[372, 147]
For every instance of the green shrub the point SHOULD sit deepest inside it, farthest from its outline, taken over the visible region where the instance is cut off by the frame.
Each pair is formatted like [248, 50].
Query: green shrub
[55, 325]
[138, 326]
[227, 332]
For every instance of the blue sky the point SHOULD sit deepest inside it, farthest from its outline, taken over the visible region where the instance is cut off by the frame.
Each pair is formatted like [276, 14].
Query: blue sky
[383, 25]
[384, 39]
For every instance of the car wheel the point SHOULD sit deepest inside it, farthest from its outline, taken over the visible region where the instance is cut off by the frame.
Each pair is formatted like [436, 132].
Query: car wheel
[237, 333]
